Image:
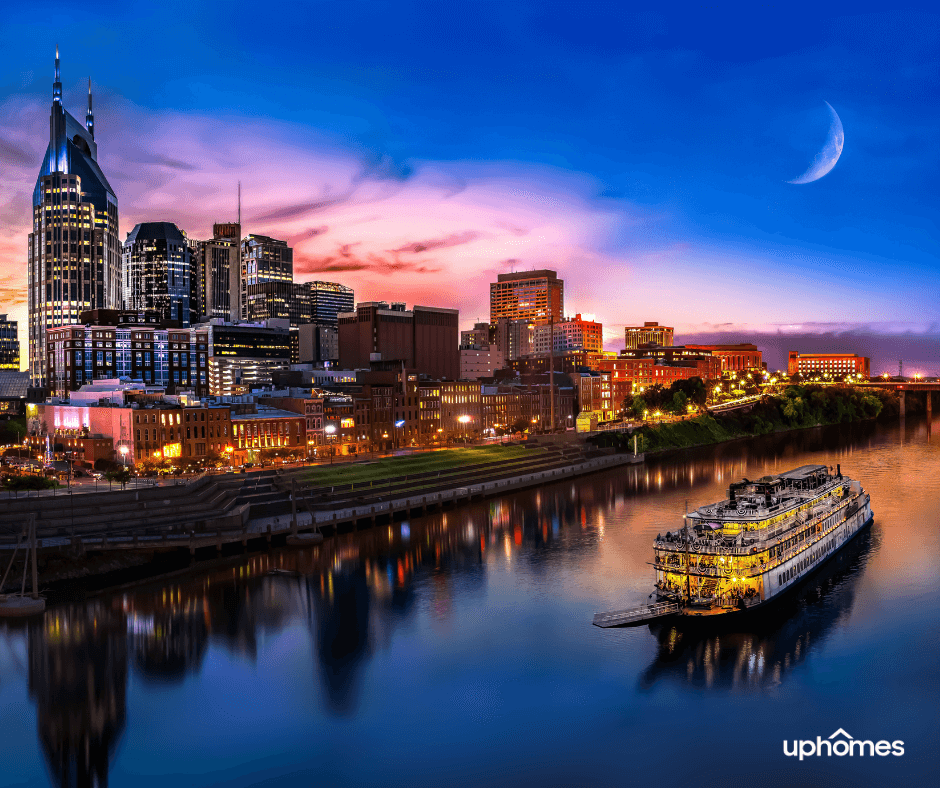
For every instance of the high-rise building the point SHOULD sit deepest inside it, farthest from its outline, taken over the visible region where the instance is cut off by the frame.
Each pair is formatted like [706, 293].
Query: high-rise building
[277, 301]
[157, 268]
[327, 300]
[263, 260]
[515, 338]
[650, 333]
[215, 272]
[74, 256]
[9, 344]
[536, 296]
[572, 333]
[424, 339]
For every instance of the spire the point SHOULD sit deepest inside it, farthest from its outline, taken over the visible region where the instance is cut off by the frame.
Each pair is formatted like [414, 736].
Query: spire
[89, 116]
[57, 85]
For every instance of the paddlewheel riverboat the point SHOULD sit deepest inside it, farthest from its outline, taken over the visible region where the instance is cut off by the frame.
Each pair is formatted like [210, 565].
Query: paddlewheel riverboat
[752, 547]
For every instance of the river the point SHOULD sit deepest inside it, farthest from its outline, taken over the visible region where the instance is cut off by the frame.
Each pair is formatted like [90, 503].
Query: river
[458, 649]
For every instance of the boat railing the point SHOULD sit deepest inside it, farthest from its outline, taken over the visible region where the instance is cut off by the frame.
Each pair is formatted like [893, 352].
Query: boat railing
[755, 570]
[760, 538]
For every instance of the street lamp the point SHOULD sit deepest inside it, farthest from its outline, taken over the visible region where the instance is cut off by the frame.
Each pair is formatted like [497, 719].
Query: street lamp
[124, 451]
[330, 431]
[464, 420]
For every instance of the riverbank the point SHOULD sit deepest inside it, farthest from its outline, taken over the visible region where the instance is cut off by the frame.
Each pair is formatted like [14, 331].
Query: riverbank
[797, 408]
[146, 533]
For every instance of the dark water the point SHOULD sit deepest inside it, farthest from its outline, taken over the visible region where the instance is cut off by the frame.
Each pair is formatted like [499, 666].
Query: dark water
[457, 649]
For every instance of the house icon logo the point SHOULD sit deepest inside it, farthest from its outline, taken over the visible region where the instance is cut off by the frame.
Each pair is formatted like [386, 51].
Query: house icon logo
[842, 744]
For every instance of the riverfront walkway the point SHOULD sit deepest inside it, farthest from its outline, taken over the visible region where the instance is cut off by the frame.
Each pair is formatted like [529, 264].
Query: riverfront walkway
[212, 512]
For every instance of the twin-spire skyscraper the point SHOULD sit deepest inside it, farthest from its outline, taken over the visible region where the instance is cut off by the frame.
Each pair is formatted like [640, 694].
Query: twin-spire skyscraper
[74, 256]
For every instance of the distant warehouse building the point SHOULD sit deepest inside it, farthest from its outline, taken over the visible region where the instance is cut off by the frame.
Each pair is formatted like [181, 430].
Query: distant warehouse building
[836, 364]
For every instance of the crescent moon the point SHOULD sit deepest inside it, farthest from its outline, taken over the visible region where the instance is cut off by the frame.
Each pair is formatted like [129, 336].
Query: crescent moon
[826, 158]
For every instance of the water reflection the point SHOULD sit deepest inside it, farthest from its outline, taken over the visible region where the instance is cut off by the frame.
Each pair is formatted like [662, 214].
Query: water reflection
[352, 593]
[78, 679]
[761, 653]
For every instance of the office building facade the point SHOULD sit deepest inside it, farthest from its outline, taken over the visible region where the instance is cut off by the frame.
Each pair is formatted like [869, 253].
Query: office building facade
[126, 348]
[327, 300]
[536, 296]
[215, 274]
[9, 344]
[572, 333]
[74, 254]
[650, 333]
[834, 364]
[244, 357]
[157, 268]
[263, 260]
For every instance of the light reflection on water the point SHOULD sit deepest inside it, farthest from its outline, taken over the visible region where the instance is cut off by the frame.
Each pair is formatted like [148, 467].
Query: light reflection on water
[446, 626]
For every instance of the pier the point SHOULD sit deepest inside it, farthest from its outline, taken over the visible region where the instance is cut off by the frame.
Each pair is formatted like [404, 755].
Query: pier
[635, 616]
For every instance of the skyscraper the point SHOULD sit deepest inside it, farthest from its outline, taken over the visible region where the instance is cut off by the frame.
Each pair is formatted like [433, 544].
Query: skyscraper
[157, 270]
[327, 300]
[536, 296]
[264, 260]
[9, 344]
[74, 255]
[215, 270]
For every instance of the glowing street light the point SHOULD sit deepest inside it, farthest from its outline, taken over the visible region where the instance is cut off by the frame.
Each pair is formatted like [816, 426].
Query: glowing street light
[124, 451]
[330, 430]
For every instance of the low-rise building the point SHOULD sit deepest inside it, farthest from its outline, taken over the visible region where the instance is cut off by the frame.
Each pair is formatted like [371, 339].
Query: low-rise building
[112, 344]
[268, 428]
[835, 364]
[734, 358]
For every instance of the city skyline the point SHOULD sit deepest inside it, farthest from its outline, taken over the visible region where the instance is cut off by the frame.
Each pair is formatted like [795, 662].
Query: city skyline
[655, 222]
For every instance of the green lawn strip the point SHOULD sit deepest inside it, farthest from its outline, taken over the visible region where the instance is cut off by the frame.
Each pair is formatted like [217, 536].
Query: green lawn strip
[396, 467]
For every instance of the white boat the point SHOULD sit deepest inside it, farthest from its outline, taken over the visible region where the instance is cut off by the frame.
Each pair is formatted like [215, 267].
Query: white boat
[736, 555]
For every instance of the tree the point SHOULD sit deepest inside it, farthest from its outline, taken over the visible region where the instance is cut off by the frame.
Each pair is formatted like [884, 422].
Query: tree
[638, 406]
[214, 460]
[679, 403]
[694, 389]
[121, 475]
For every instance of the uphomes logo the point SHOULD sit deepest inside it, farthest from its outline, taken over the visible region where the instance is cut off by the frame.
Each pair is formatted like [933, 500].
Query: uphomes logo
[840, 744]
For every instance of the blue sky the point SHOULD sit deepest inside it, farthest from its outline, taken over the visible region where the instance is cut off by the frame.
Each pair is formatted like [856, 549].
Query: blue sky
[644, 154]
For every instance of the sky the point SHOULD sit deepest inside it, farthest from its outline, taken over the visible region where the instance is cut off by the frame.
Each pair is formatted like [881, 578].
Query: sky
[414, 150]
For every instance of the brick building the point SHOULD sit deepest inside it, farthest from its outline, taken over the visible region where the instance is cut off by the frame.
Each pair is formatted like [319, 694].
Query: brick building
[734, 358]
[836, 364]
[425, 338]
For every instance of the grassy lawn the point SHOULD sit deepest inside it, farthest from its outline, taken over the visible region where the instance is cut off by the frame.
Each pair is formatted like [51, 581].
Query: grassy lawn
[349, 473]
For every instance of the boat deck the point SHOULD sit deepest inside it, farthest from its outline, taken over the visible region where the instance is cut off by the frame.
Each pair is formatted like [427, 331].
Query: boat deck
[635, 616]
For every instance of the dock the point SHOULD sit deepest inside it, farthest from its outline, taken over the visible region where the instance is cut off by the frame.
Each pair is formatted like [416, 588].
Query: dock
[635, 616]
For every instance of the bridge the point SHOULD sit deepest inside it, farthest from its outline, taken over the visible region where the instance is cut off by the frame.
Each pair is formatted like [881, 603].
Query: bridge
[905, 387]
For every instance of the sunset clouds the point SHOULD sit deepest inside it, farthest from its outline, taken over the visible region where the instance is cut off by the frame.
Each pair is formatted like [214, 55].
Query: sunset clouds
[416, 155]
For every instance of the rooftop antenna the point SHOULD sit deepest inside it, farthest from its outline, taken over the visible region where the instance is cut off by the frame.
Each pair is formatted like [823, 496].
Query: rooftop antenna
[57, 85]
[239, 203]
[89, 116]
[900, 368]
